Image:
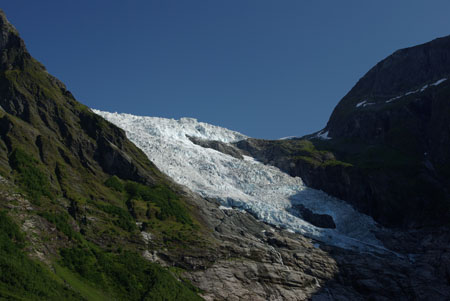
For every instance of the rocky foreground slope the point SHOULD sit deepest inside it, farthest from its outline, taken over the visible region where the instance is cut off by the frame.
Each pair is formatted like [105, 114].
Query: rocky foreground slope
[84, 215]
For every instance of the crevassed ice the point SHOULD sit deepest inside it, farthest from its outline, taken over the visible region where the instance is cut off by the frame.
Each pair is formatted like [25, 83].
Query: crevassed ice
[262, 190]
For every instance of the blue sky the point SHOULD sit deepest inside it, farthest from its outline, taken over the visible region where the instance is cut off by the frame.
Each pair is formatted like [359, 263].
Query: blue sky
[268, 69]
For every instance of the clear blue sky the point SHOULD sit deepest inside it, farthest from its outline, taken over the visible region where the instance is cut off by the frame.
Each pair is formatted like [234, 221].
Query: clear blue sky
[265, 68]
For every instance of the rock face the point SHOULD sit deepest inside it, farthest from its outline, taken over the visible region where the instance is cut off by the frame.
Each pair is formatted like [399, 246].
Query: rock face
[405, 120]
[222, 147]
[254, 261]
[318, 220]
[407, 70]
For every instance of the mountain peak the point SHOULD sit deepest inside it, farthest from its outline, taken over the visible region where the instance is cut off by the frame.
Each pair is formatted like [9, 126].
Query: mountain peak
[6, 30]
[406, 74]
[11, 45]
[3, 18]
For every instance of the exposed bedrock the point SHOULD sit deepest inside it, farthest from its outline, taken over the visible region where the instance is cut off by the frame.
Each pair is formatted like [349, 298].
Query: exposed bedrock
[254, 261]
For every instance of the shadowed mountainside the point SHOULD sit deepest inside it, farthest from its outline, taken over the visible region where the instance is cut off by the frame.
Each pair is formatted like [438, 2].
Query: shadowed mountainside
[390, 140]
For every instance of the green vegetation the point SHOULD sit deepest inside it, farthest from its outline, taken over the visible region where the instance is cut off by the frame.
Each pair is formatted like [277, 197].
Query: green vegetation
[20, 277]
[61, 221]
[123, 218]
[89, 270]
[167, 202]
[79, 285]
[127, 274]
[32, 81]
[161, 212]
[29, 175]
[145, 203]
[305, 150]
[115, 183]
[369, 156]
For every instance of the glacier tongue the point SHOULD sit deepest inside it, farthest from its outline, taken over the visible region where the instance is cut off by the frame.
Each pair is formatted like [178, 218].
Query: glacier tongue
[262, 190]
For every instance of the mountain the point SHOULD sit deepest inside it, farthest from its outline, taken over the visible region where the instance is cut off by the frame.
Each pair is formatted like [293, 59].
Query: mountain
[75, 193]
[85, 215]
[406, 119]
[385, 148]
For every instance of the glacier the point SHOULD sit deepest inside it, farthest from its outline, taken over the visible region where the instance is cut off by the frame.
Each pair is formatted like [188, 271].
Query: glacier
[264, 191]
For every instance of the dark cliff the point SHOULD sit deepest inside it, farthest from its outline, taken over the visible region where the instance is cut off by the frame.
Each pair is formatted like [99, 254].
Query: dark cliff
[390, 141]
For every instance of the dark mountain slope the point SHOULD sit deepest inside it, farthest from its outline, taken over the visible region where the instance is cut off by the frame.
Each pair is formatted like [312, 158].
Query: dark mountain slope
[41, 116]
[87, 193]
[405, 70]
[390, 146]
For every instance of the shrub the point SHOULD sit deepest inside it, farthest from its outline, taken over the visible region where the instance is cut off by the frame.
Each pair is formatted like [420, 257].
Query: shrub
[61, 221]
[127, 274]
[124, 219]
[167, 201]
[115, 183]
[31, 178]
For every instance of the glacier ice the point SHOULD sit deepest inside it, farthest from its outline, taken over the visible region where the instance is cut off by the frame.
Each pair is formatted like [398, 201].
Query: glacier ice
[264, 191]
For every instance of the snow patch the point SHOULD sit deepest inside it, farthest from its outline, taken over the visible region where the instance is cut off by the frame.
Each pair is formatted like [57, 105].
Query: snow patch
[323, 135]
[262, 190]
[394, 98]
[411, 92]
[361, 103]
[418, 90]
[364, 104]
[439, 82]
[288, 138]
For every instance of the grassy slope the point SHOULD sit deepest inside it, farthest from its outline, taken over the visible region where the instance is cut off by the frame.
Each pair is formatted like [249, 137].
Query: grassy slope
[59, 155]
[21, 277]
